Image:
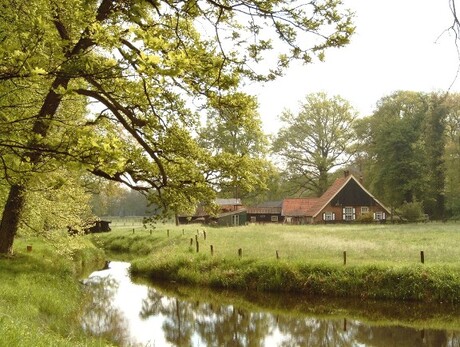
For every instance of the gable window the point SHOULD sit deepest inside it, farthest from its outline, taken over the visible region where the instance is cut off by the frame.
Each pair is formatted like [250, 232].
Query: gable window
[328, 216]
[348, 213]
[274, 218]
[364, 209]
[379, 215]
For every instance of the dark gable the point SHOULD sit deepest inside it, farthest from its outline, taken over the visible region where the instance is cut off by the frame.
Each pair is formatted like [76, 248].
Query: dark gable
[352, 195]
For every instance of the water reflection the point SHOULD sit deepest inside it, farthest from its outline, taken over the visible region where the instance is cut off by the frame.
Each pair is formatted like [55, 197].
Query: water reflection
[133, 314]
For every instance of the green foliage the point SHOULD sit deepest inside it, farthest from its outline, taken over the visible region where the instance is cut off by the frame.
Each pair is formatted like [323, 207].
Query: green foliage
[452, 155]
[366, 218]
[55, 201]
[403, 149]
[316, 141]
[411, 211]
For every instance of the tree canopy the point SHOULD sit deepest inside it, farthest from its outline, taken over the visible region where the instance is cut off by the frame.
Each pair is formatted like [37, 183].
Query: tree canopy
[150, 68]
[316, 140]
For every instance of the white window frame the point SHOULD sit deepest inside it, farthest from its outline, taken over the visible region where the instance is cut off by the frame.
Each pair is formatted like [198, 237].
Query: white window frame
[236, 219]
[274, 218]
[379, 215]
[364, 209]
[328, 216]
[349, 213]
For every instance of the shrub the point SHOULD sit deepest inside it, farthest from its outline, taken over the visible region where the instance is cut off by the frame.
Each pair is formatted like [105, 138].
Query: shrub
[412, 211]
[366, 218]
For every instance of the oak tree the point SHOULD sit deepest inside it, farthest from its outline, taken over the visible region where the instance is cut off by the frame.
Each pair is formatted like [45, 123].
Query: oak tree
[151, 67]
[315, 141]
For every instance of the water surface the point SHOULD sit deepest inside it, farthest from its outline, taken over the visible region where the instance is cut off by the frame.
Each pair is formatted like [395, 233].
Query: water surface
[170, 315]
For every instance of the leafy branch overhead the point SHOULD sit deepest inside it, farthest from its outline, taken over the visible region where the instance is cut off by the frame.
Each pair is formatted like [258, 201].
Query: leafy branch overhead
[143, 73]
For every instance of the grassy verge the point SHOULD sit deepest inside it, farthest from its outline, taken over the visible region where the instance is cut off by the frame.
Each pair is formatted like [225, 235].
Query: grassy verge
[383, 261]
[40, 296]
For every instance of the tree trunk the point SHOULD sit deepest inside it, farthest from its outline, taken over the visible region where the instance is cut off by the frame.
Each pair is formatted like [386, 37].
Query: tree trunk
[10, 219]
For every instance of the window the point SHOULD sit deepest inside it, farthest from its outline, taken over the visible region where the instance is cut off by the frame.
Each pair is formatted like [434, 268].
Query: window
[364, 209]
[379, 215]
[235, 219]
[328, 216]
[348, 213]
[253, 219]
[274, 218]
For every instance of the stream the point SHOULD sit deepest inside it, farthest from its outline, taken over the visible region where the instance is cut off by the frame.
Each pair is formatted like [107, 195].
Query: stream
[148, 314]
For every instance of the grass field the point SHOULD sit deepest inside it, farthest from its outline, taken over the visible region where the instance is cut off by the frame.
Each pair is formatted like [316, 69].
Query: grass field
[40, 296]
[390, 245]
[382, 261]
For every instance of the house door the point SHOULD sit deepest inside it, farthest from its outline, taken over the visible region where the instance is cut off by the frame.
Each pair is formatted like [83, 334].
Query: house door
[235, 219]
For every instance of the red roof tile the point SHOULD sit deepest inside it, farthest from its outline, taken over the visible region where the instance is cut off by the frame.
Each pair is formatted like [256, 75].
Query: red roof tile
[297, 206]
[328, 195]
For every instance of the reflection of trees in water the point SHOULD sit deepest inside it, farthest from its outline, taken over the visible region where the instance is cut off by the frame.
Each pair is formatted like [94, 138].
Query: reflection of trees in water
[216, 325]
[314, 332]
[230, 326]
[227, 325]
[179, 323]
[401, 336]
[100, 318]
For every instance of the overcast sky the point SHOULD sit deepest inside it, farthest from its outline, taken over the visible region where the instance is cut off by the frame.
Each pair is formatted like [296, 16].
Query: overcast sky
[398, 45]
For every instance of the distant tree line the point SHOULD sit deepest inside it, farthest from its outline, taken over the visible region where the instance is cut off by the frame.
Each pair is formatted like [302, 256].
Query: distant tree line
[406, 152]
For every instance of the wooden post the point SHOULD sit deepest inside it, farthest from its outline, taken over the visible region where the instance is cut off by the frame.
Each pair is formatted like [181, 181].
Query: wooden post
[168, 232]
[204, 234]
[277, 255]
[29, 248]
[344, 324]
[344, 257]
[422, 257]
[191, 241]
[240, 252]
[212, 250]
[196, 238]
[197, 246]
[133, 230]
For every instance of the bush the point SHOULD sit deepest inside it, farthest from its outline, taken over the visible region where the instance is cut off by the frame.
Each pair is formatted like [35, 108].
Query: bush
[366, 218]
[412, 211]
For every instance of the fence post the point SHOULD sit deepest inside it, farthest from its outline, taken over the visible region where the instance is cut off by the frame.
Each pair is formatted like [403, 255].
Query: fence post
[422, 257]
[197, 246]
[277, 255]
[344, 257]
[240, 252]
[212, 250]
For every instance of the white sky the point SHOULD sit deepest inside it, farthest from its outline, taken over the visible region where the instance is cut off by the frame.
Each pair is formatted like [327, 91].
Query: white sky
[397, 46]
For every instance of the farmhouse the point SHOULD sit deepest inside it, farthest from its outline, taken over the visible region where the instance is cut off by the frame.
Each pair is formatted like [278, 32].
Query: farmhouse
[268, 212]
[345, 201]
[230, 212]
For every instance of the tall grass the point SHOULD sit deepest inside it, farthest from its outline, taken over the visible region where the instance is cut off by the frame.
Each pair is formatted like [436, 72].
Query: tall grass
[383, 261]
[40, 296]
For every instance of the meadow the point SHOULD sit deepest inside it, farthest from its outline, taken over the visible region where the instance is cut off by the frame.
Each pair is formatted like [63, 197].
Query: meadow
[382, 261]
[40, 296]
